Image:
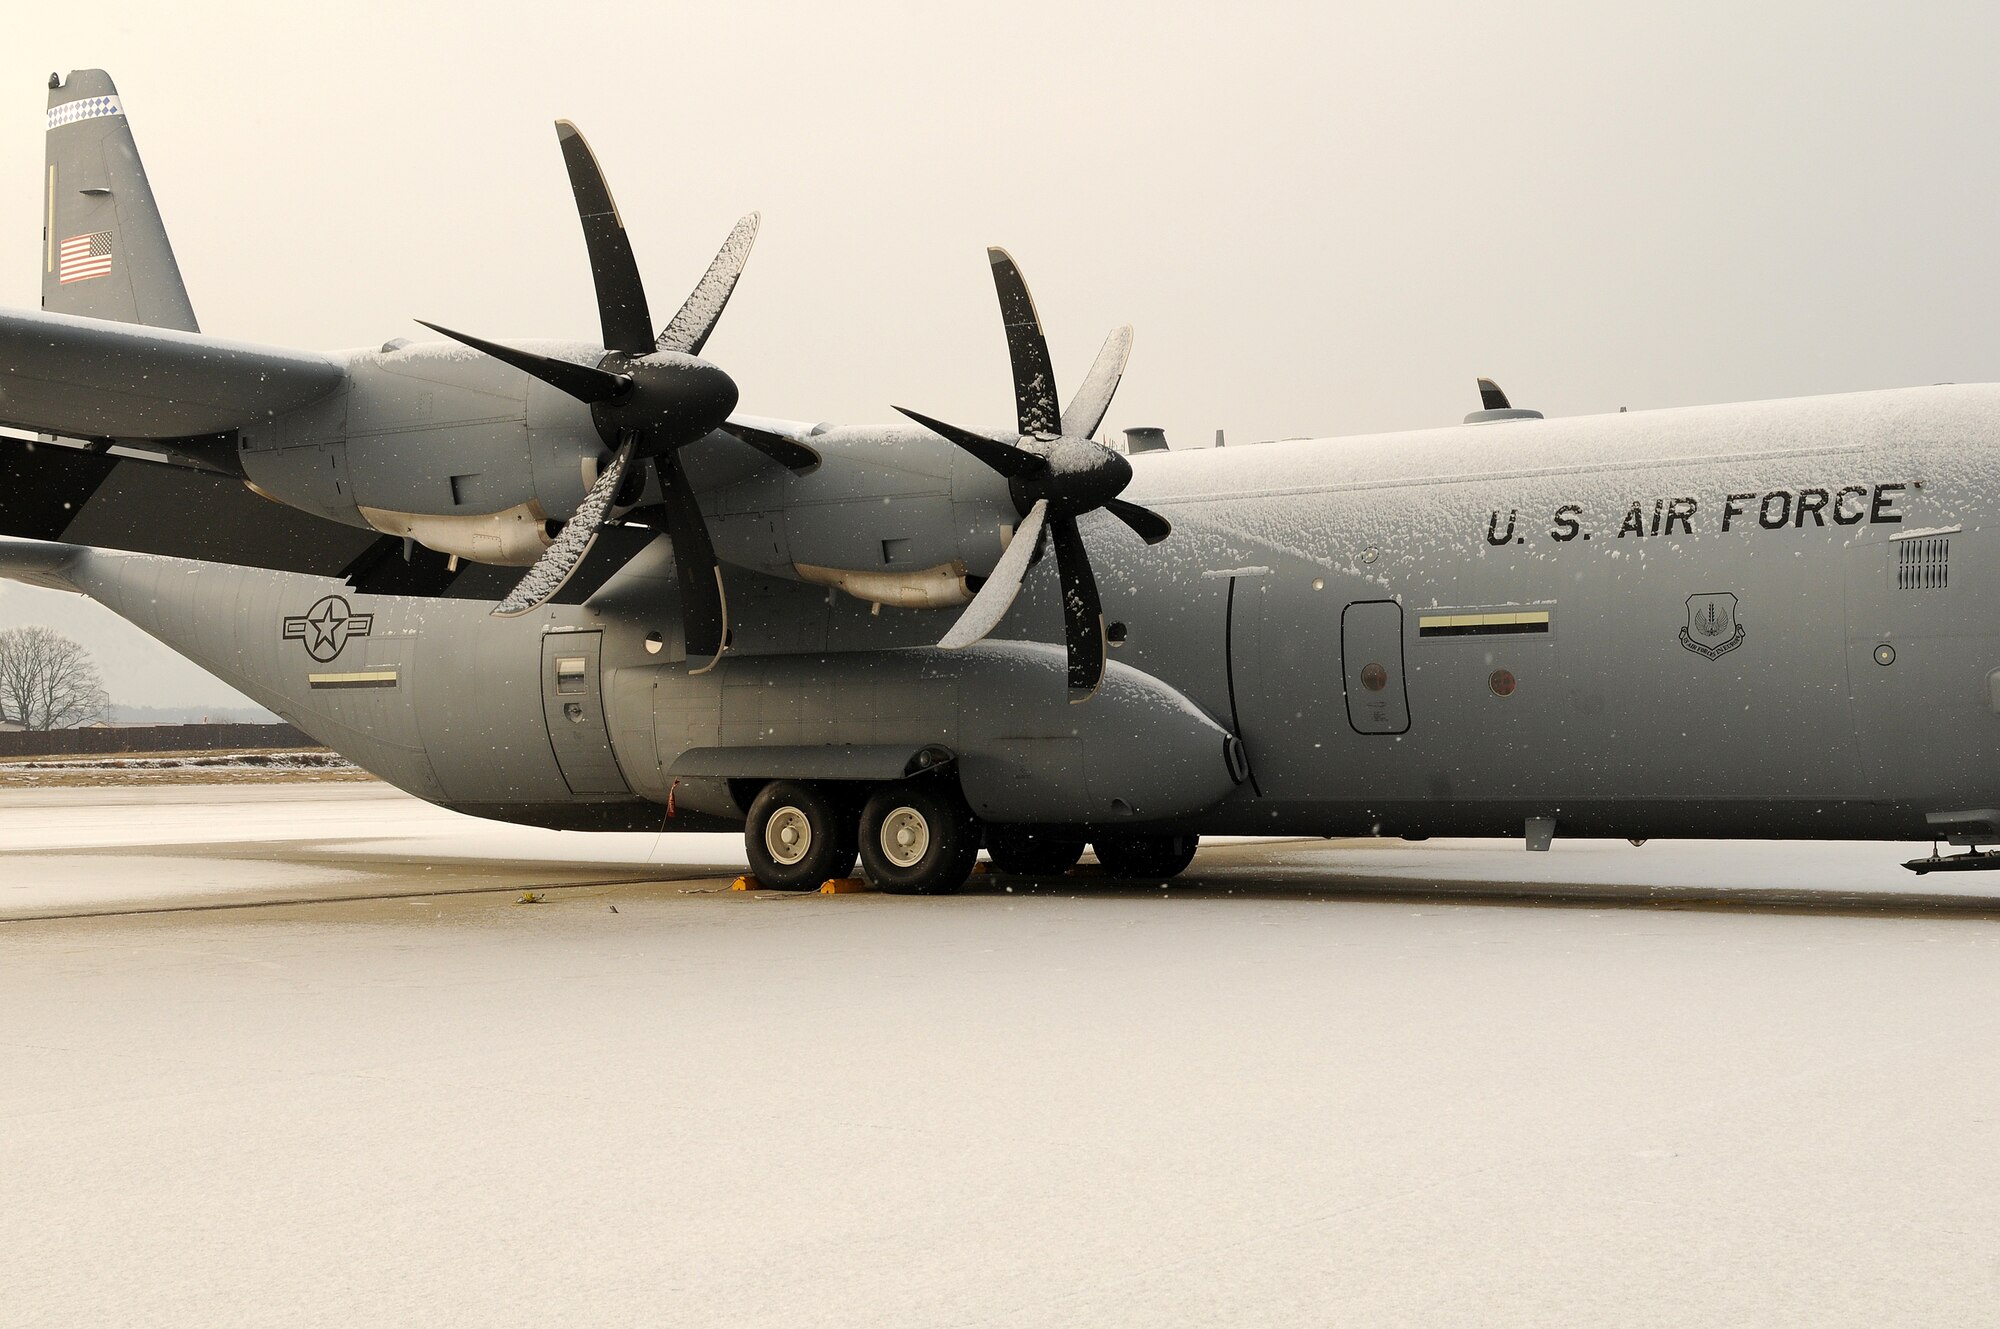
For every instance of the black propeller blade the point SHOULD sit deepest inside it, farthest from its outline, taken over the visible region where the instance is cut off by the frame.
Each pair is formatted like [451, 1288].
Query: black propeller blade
[1055, 473]
[621, 296]
[579, 381]
[687, 332]
[787, 452]
[1083, 612]
[704, 608]
[1013, 462]
[553, 569]
[1035, 406]
[1147, 524]
[648, 396]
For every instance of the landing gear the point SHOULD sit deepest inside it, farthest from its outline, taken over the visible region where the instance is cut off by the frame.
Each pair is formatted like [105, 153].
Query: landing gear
[917, 838]
[1146, 857]
[1032, 851]
[797, 837]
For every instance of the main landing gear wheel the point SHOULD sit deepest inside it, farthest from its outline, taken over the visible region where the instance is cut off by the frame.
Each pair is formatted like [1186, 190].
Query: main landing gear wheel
[1146, 857]
[917, 839]
[1032, 851]
[797, 837]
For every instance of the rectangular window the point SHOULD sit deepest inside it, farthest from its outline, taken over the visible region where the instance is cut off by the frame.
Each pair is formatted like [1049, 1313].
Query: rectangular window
[570, 674]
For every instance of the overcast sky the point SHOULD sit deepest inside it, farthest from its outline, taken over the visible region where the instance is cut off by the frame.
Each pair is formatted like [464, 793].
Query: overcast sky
[1321, 219]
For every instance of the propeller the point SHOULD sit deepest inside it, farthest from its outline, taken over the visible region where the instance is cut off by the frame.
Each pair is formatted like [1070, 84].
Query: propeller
[1055, 473]
[649, 397]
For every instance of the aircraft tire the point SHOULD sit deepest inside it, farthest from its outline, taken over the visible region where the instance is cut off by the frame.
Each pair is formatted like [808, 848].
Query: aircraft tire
[797, 837]
[1032, 851]
[917, 838]
[1146, 857]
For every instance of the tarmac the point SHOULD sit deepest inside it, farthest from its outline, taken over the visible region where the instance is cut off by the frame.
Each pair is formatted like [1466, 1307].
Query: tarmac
[297, 1054]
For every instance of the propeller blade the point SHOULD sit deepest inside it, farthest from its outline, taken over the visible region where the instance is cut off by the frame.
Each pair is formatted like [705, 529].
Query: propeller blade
[787, 452]
[1147, 524]
[996, 597]
[1083, 612]
[621, 297]
[582, 382]
[553, 569]
[1035, 403]
[1086, 408]
[704, 611]
[688, 330]
[1010, 461]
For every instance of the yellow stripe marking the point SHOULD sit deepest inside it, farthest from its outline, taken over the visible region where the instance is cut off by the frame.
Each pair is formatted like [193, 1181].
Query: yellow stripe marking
[1524, 618]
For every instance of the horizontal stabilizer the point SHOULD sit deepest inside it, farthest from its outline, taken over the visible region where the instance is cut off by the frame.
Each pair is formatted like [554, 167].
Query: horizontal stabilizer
[86, 378]
[36, 563]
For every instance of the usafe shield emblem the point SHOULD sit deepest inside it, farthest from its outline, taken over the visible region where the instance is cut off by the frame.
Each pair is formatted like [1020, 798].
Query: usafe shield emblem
[1712, 630]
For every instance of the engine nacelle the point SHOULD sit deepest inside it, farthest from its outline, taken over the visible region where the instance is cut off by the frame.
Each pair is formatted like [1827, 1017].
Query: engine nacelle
[438, 443]
[892, 516]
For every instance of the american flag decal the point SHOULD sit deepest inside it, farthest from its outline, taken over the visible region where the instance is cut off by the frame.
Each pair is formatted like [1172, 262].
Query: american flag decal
[83, 257]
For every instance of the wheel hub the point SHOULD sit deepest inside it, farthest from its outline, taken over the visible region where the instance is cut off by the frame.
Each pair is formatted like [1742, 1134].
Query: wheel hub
[788, 836]
[906, 837]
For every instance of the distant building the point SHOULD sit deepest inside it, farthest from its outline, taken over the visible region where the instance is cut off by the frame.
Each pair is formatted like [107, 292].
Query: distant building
[9, 727]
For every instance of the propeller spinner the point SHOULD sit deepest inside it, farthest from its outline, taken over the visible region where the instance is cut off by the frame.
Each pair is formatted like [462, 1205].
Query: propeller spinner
[1055, 473]
[649, 397]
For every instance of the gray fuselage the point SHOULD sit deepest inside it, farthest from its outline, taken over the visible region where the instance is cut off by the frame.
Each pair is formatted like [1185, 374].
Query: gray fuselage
[1772, 619]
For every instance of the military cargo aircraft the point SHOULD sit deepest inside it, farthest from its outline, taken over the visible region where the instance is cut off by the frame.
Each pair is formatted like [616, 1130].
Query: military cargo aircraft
[1769, 620]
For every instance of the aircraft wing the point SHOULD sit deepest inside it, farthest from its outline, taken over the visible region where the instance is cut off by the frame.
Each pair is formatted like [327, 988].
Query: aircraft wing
[94, 379]
[50, 491]
[93, 496]
[126, 387]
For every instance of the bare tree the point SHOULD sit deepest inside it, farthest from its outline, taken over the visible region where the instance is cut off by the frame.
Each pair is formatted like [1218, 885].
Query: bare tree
[47, 681]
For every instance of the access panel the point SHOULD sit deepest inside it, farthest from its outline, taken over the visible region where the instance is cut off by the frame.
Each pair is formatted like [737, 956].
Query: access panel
[573, 703]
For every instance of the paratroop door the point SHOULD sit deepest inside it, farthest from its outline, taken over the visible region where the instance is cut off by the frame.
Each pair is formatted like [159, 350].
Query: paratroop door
[1371, 657]
[573, 703]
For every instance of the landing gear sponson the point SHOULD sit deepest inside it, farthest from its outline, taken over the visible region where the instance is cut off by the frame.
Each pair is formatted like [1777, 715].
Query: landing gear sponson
[918, 837]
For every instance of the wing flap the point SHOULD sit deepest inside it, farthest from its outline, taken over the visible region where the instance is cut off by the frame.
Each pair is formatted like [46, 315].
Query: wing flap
[88, 378]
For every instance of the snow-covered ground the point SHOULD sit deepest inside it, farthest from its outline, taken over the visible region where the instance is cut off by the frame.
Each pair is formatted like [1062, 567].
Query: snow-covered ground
[92, 850]
[1311, 1086]
[313, 760]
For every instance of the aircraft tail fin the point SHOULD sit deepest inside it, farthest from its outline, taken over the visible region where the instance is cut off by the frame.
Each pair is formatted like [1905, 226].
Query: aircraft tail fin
[104, 249]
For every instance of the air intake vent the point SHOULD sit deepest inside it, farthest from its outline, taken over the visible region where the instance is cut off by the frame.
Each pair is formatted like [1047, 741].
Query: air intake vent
[1923, 564]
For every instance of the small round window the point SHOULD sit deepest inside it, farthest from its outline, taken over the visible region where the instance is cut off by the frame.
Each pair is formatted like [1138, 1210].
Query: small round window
[1374, 677]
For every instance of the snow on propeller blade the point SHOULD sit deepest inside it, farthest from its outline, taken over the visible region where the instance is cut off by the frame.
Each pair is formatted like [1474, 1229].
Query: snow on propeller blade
[649, 397]
[1055, 473]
